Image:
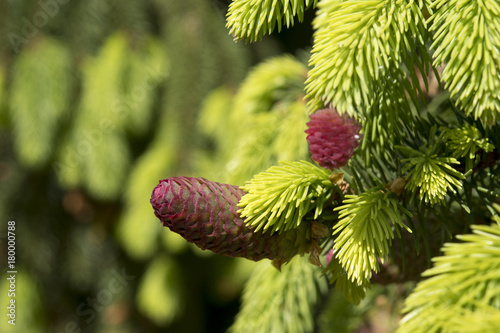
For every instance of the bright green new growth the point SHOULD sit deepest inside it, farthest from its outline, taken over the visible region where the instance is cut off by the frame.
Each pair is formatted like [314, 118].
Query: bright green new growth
[264, 122]
[350, 289]
[464, 285]
[275, 301]
[95, 153]
[465, 142]
[467, 40]
[280, 197]
[252, 19]
[158, 294]
[365, 231]
[38, 99]
[468, 321]
[275, 81]
[372, 60]
[431, 175]
[356, 44]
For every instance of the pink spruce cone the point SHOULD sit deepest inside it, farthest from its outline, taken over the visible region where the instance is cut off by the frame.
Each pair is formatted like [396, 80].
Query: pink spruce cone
[205, 213]
[332, 138]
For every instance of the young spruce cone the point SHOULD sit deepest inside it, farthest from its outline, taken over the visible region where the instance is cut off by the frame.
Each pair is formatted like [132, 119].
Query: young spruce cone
[205, 213]
[332, 138]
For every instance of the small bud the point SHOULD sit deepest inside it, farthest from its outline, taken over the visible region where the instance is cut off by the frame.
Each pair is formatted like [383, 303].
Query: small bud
[397, 186]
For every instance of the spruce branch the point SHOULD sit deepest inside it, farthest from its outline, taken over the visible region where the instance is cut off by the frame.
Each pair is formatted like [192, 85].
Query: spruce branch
[385, 123]
[466, 141]
[488, 320]
[355, 44]
[160, 294]
[252, 19]
[467, 39]
[278, 199]
[365, 230]
[279, 79]
[39, 95]
[267, 117]
[337, 275]
[430, 175]
[463, 284]
[283, 301]
[105, 167]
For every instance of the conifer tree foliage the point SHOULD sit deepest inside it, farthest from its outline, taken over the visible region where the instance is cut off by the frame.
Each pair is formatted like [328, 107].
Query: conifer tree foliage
[99, 100]
[427, 162]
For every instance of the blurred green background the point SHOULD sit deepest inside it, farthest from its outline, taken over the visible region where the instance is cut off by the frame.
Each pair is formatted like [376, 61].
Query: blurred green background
[98, 101]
